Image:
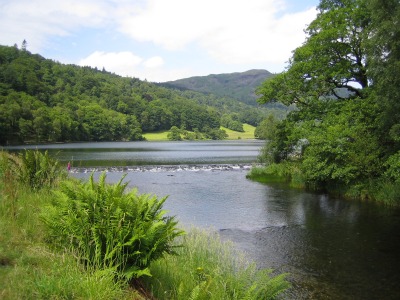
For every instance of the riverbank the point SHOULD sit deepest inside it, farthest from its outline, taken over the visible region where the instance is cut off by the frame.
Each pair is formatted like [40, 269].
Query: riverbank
[31, 265]
[290, 173]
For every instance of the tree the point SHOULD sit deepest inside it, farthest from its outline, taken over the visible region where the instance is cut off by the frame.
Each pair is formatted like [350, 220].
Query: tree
[341, 83]
[267, 128]
[231, 121]
[384, 66]
[333, 58]
[174, 134]
[24, 45]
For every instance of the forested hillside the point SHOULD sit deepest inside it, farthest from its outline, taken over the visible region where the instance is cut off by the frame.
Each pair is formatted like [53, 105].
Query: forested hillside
[348, 143]
[45, 101]
[240, 85]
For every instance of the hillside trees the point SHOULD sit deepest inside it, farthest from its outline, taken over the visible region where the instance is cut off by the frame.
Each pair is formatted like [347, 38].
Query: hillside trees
[45, 101]
[341, 81]
[232, 121]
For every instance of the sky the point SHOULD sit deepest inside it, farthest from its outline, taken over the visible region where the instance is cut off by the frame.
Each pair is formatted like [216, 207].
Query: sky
[160, 40]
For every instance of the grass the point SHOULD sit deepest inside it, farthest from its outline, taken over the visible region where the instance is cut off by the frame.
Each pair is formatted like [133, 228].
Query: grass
[156, 136]
[235, 135]
[288, 173]
[232, 135]
[204, 267]
[30, 270]
[208, 268]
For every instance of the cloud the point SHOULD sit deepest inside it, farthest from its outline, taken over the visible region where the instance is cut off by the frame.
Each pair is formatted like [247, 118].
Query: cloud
[38, 21]
[123, 63]
[222, 32]
[154, 62]
[126, 63]
[241, 31]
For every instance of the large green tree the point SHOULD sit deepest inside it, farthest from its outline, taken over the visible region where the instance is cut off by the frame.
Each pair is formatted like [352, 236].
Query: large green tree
[344, 81]
[331, 62]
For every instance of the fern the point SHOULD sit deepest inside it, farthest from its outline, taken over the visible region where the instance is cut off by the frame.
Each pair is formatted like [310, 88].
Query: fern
[110, 227]
[37, 169]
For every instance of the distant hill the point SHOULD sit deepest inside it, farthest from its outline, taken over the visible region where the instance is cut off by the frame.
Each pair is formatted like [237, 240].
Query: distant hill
[239, 85]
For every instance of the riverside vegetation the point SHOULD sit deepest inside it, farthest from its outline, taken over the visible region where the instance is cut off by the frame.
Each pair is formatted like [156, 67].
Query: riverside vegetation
[344, 136]
[61, 238]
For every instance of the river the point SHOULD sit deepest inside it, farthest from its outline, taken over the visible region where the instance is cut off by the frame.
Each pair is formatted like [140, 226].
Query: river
[331, 248]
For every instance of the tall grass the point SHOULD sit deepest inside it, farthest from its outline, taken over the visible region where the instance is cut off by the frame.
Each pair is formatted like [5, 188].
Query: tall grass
[33, 168]
[286, 172]
[28, 268]
[110, 228]
[208, 268]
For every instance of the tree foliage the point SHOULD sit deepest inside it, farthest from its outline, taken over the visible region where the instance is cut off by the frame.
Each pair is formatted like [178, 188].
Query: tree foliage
[344, 81]
[45, 101]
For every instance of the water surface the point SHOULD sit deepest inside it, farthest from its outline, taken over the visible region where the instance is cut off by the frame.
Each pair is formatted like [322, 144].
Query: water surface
[332, 249]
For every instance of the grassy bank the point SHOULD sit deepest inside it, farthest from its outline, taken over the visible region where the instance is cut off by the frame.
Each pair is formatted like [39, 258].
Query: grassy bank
[286, 173]
[232, 135]
[289, 173]
[30, 269]
[35, 263]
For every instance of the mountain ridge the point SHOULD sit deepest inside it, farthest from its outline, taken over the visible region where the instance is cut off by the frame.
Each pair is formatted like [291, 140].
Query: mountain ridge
[238, 85]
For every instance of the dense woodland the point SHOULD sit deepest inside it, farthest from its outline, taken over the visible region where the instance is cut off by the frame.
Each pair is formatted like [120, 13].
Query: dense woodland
[335, 139]
[45, 101]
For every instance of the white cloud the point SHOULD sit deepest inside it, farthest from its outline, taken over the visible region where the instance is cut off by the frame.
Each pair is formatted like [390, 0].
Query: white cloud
[241, 31]
[128, 64]
[123, 63]
[154, 62]
[38, 21]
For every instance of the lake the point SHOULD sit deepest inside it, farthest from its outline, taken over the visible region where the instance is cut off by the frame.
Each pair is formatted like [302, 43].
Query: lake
[332, 248]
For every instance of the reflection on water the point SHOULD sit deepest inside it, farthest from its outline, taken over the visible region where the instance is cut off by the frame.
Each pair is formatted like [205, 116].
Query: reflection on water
[332, 249]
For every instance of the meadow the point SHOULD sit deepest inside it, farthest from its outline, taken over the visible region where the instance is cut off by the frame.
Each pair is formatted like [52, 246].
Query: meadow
[232, 135]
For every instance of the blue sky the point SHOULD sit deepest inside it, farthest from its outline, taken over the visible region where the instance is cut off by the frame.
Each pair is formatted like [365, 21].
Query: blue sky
[160, 40]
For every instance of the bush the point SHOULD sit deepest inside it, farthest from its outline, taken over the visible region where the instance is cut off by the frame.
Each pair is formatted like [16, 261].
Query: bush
[108, 228]
[174, 134]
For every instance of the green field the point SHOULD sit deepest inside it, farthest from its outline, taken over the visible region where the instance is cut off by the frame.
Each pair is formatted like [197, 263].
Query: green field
[232, 135]
[247, 134]
[156, 136]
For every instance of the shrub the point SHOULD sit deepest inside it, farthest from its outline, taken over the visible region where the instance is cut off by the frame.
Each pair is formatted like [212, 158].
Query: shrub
[108, 228]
